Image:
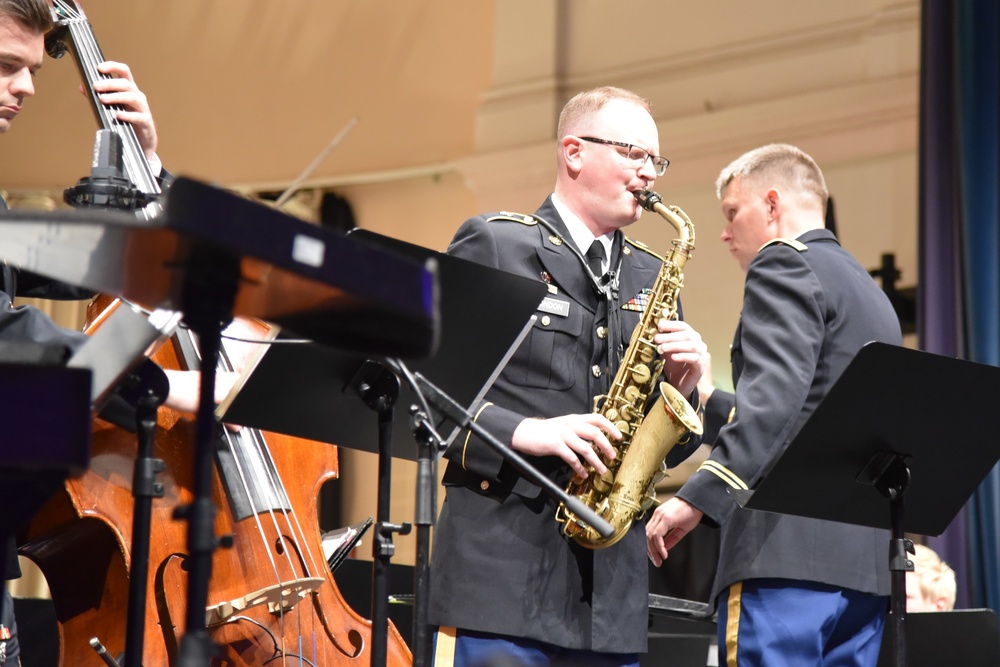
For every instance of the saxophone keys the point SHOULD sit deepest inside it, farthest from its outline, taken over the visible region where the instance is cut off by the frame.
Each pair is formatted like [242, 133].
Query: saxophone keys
[603, 483]
[646, 354]
[658, 476]
[641, 374]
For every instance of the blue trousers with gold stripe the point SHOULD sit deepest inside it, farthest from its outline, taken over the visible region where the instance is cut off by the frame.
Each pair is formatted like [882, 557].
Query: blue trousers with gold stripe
[463, 648]
[786, 622]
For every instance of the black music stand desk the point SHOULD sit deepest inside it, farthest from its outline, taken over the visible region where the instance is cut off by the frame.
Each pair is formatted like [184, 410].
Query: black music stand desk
[46, 436]
[966, 637]
[897, 423]
[483, 311]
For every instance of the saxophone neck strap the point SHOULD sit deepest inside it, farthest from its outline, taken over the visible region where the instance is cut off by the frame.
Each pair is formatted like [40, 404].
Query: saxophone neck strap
[606, 286]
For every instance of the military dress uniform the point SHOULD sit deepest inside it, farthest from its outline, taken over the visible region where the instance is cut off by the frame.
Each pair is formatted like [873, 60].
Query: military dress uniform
[808, 308]
[500, 563]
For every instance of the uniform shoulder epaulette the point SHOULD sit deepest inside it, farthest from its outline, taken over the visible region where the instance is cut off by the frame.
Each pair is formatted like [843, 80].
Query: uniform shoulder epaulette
[645, 248]
[791, 243]
[513, 217]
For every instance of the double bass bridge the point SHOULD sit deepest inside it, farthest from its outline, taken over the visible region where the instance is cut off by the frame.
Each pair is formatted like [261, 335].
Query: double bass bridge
[279, 598]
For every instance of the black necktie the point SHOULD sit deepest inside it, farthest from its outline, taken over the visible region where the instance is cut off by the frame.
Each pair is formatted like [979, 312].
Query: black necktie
[595, 258]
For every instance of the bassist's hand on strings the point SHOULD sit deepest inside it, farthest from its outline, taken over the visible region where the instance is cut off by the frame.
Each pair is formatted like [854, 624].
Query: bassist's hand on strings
[120, 89]
[185, 390]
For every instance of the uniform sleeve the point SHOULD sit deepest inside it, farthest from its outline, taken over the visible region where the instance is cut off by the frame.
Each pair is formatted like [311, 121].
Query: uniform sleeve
[40, 287]
[718, 410]
[26, 323]
[782, 328]
[476, 241]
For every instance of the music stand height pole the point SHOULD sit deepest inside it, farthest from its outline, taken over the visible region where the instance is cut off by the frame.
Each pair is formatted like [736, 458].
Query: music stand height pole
[197, 648]
[144, 489]
[207, 299]
[379, 389]
[892, 483]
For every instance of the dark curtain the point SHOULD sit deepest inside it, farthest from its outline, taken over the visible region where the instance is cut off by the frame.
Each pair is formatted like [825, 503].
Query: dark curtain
[959, 244]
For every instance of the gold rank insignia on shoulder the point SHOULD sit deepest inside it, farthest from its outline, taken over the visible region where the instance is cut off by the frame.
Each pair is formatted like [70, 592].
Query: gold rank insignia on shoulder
[643, 247]
[791, 243]
[512, 217]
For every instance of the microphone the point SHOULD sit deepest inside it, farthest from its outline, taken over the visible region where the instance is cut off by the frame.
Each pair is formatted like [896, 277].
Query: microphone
[107, 186]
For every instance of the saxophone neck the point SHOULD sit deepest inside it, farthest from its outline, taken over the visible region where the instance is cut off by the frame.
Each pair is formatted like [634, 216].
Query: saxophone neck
[677, 218]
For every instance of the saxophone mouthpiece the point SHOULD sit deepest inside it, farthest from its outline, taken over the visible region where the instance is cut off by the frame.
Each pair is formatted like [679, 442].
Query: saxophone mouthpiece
[647, 199]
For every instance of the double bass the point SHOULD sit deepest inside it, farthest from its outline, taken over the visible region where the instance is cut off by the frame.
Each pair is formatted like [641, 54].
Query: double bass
[271, 597]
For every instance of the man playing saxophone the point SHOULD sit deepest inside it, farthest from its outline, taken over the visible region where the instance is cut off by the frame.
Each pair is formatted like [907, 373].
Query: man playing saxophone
[502, 572]
[790, 590]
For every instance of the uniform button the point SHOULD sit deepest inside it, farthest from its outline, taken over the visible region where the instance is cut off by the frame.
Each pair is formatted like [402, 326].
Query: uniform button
[596, 370]
[484, 485]
[545, 320]
[602, 332]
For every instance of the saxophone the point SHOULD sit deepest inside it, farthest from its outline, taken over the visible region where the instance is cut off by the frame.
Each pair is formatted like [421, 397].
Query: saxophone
[625, 491]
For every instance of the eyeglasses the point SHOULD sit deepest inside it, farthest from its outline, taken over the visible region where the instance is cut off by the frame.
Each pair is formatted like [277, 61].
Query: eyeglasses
[636, 155]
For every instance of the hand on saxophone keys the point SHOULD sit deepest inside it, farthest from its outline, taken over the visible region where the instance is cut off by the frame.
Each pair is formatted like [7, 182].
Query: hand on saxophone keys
[684, 354]
[576, 439]
[670, 522]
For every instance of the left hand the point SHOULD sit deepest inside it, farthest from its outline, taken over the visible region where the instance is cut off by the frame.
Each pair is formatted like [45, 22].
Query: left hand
[185, 388]
[670, 522]
[120, 89]
[684, 354]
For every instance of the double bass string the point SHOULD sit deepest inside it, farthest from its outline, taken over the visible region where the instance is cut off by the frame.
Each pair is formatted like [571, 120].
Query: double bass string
[253, 439]
[89, 56]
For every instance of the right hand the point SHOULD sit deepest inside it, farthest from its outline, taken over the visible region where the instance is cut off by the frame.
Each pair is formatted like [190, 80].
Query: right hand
[669, 522]
[572, 438]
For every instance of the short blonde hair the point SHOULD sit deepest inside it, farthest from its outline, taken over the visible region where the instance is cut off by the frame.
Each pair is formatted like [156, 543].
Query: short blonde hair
[590, 102]
[783, 161]
[937, 579]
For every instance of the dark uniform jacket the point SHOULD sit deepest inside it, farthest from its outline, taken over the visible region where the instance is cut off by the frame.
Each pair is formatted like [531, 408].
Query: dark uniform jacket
[500, 563]
[808, 308]
[27, 323]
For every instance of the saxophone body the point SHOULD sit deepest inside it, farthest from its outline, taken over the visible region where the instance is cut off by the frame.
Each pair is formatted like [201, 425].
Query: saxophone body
[625, 491]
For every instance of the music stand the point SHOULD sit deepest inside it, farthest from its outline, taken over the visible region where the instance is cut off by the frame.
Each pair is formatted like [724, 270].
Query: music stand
[212, 255]
[484, 315]
[883, 432]
[966, 637]
[41, 452]
[113, 353]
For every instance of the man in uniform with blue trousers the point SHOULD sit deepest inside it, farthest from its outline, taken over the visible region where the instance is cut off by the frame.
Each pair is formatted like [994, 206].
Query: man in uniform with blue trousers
[507, 587]
[790, 590]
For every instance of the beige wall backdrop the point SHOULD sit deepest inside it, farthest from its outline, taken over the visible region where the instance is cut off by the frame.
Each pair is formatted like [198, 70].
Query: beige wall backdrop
[457, 102]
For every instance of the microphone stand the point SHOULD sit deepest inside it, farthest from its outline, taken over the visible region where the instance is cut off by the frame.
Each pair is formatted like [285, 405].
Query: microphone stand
[426, 486]
[429, 448]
